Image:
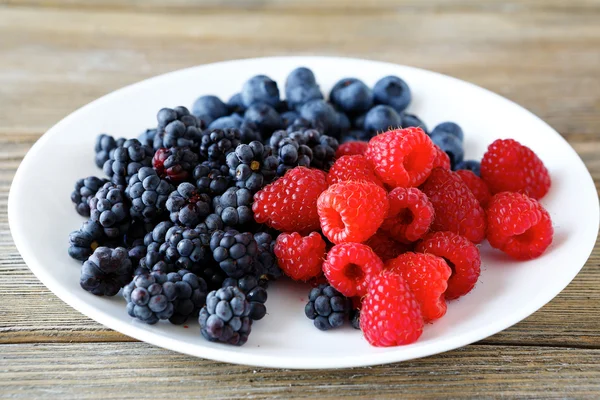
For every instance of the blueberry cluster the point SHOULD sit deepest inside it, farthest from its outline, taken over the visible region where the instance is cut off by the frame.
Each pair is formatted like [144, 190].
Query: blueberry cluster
[449, 137]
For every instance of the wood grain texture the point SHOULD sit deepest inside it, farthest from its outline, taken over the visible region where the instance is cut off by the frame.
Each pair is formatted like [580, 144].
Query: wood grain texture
[56, 56]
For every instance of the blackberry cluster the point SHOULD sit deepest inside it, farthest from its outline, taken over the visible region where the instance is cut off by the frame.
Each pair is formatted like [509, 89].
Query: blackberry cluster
[150, 298]
[187, 206]
[126, 159]
[327, 307]
[234, 207]
[104, 145]
[84, 190]
[252, 165]
[190, 291]
[234, 251]
[322, 147]
[106, 271]
[148, 194]
[186, 248]
[211, 180]
[265, 264]
[290, 153]
[216, 144]
[175, 164]
[212, 223]
[109, 209]
[226, 316]
[255, 291]
[84, 241]
[177, 128]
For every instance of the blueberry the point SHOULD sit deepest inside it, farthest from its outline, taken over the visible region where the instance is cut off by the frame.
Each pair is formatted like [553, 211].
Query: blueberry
[319, 112]
[299, 95]
[451, 145]
[260, 89]
[392, 91]
[231, 121]
[355, 135]
[288, 117]
[359, 122]
[343, 123]
[411, 120]
[209, 108]
[450, 128]
[471, 165]
[381, 119]
[236, 104]
[351, 96]
[300, 76]
[265, 117]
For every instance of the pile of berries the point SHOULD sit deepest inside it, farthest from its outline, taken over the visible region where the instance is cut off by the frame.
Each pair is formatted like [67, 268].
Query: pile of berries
[198, 215]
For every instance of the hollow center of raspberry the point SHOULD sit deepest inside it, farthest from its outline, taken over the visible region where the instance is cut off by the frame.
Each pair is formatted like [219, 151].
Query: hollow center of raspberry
[405, 217]
[526, 237]
[416, 160]
[254, 165]
[354, 272]
[451, 265]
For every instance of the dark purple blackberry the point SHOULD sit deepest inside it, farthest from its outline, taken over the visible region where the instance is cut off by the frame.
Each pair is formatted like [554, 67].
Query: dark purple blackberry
[225, 317]
[84, 241]
[148, 300]
[84, 190]
[106, 271]
[234, 207]
[323, 147]
[235, 252]
[327, 307]
[104, 145]
[148, 194]
[216, 144]
[156, 237]
[209, 180]
[147, 137]
[252, 165]
[191, 295]
[137, 251]
[175, 164]
[213, 275]
[126, 160]
[177, 128]
[187, 206]
[212, 223]
[266, 262]
[154, 261]
[256, 294]
[355, 318]
[289, 152]
[186, 248]
[109, 209]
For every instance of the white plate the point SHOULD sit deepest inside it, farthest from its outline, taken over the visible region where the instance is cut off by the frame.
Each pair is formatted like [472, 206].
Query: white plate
[41, 215]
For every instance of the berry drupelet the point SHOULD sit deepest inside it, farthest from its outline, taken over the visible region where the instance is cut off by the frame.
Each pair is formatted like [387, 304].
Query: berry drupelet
[216, 144]
[177, 128]
[84, 190]
[235, 252]
[225, 318]
[175, 164]
[148, 194]
[84, 241]
[210, 180]
[150, 297]
[109, 209]
[234, 207]
[186, 248]
[252, 165]
[154, 261]
[106, 271]
[327, 307]
[212, 223]
[191, 294]
[187, 206]
[104, 145]
[255, 291]
[126, 160]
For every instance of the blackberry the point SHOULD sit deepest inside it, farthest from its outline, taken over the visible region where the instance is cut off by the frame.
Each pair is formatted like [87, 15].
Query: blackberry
[355, 318]
[148, 300]
[147, 137]
[235, 252]
[84, 190]
[327, 307]
[323, 147]
[175, 164]
[255, 294]
[225, 317]
[213, 275]
[216, 144]
[104, 145]
[156, 237]
[187, 206]
[252, 165]
[210, 180]
[265, 264]
[212, 223]
[148, 194]
[177, 128]
[126, 160]
[191, 292]
[84, 241]
[154, 261]
[109, 209]
[208, 108]
[106, 271]
[137, 251]
[289, 152]
[186, 248]
[234, 207]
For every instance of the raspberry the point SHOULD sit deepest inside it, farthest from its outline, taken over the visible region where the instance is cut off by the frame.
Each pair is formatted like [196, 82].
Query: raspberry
[461, 255]
[352, 211]
[352, 168]
[427, 276]
[508, 166]
[402, 157]
[456, 208]
[441, 158]
[350, 266]
[300, 257]
[518, 225]
[290, 203]
[386, 247]
[410, 215]
[390, 314]
[476, 185]
[351, 149]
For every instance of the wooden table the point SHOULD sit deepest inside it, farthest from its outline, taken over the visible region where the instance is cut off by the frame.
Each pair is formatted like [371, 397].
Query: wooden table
[56, 56]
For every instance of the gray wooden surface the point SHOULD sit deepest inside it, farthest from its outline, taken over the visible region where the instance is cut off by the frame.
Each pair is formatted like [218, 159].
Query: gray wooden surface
[56, 56]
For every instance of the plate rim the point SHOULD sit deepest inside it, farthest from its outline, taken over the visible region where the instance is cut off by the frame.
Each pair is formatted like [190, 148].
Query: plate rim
[228, 354]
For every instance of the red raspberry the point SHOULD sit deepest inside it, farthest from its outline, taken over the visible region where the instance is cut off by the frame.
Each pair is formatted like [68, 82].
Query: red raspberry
[351, 149]
[402, 157]
[390, 314]
[508, 166]
[410, 215]
[290, 203]
[441, 158]
[518, 225]
[352, 168]
[427, 276]
[300, 257]
[350, 266]
[386, 247]
[476, 185]
[456, 208]
[352, 211]
[460, 254]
